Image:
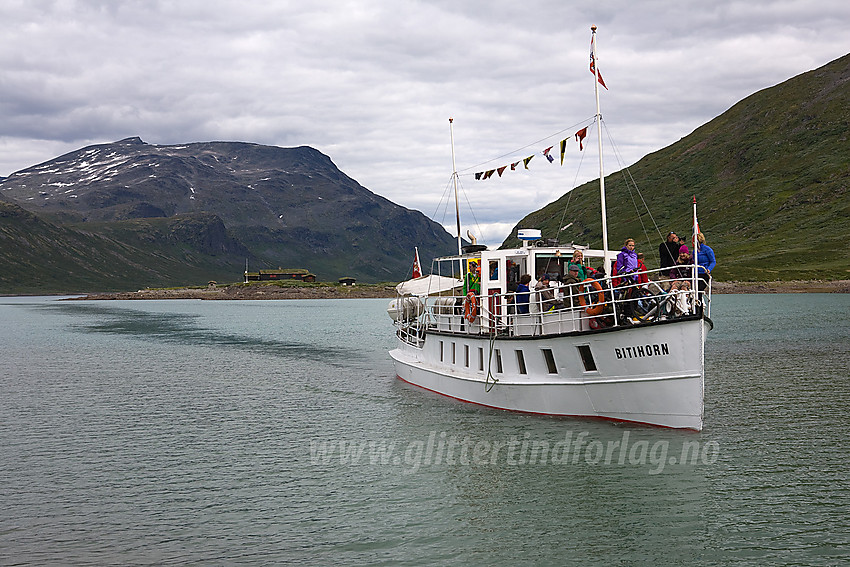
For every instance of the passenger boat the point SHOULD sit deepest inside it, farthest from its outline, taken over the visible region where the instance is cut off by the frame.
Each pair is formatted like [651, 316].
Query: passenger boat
[602, 348]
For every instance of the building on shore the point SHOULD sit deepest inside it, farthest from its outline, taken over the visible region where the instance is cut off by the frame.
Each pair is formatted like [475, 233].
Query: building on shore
[280, 274]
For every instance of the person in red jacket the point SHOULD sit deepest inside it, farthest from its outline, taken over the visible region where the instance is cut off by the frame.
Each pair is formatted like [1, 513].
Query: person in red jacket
[643, 277]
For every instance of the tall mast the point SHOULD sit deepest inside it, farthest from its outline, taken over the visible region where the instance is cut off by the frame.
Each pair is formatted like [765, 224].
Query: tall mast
[599, 140]
[454, 178]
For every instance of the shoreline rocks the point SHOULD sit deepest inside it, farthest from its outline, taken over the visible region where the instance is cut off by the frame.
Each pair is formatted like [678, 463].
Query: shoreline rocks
[799, 286]
[387, 291]
[253, 292]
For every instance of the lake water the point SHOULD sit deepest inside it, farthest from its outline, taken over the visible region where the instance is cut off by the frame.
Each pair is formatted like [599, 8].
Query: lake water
[204, 433]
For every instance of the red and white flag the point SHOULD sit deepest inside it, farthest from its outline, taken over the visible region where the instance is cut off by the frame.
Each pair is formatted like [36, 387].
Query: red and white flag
[696, 228]
[417, 267]
[593, 66]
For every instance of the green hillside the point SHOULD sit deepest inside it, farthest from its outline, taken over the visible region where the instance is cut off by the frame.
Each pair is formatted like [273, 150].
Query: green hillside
[41, 257]
[770, 175]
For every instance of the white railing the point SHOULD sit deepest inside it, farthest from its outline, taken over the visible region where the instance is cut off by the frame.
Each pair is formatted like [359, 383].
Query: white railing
[583, 306]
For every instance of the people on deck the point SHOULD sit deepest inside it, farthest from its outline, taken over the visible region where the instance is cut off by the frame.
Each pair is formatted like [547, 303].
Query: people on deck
[573, 274]
[570, 280]
[547, 294]
[472, 279]
[705, 262]
[578, 260]
[642, 275]
[681, 274]
[522, 293]
[627, 262]
[626, 268]
[668, 251]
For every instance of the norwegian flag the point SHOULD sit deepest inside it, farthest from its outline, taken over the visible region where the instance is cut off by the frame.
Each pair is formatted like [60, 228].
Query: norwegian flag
[696, 228]
[593, 66]
[417, 267]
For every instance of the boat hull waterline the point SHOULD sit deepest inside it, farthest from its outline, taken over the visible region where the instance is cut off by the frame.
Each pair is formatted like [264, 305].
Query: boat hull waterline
[649, 374]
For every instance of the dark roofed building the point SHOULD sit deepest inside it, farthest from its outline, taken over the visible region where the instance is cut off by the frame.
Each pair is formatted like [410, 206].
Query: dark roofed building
[280, 275]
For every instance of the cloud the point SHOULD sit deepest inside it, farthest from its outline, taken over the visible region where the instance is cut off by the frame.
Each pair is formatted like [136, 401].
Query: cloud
[373, 83]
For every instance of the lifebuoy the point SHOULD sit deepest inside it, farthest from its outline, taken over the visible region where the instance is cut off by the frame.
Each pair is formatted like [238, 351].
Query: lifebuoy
[470, 307]
[600, 298]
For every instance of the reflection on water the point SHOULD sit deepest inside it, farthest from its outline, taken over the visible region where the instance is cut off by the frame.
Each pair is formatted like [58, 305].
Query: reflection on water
[186, 328]
[275, 432]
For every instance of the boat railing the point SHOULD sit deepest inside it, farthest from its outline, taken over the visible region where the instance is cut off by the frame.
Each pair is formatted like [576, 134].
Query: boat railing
[588, 305]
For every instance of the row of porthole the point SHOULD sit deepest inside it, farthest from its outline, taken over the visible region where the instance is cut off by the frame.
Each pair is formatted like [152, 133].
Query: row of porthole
[548, 356]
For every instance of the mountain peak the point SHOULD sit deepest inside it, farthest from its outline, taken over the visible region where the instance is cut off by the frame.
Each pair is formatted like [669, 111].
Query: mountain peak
[287, 206]
[132, 141]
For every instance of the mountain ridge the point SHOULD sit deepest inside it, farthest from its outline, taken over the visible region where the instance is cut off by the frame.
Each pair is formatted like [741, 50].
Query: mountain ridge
[282, 206]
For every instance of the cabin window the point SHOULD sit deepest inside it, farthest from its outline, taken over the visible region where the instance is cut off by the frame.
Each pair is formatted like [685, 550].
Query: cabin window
[466, 355]
[441, 351]
[499, 361]
[520, 361]
[480, 359]
[587, 358]
[454, 353]
[550, 360]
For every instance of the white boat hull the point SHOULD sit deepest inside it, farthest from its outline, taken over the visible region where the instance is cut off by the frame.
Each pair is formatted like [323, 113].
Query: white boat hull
[649, 374]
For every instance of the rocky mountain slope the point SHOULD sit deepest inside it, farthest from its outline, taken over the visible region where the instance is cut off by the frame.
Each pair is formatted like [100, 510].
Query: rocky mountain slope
[223, 203]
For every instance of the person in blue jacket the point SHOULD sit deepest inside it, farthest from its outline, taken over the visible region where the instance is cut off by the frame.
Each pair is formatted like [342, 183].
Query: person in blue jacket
[705, 261]
[522, 293]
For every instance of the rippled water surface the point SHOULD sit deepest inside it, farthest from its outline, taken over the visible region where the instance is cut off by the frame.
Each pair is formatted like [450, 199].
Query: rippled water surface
[189, 432]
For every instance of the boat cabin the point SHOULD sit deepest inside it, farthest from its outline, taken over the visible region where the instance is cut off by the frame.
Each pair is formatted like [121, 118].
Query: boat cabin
[476, 293]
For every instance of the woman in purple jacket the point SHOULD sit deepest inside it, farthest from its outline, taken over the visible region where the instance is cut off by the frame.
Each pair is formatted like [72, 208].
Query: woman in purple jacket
[627, 262]
[626, 269]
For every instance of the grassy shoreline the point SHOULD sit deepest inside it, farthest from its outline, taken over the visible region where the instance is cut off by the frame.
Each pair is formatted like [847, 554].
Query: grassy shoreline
[387, 290]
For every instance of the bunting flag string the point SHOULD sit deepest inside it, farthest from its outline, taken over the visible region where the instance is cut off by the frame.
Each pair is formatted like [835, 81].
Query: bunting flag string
[579, 136]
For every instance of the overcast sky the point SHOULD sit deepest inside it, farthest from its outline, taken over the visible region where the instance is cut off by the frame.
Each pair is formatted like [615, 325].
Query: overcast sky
[372, 84]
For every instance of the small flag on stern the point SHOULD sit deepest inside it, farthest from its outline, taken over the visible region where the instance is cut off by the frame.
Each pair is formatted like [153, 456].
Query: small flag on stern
[696, 228]
[417, 267]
